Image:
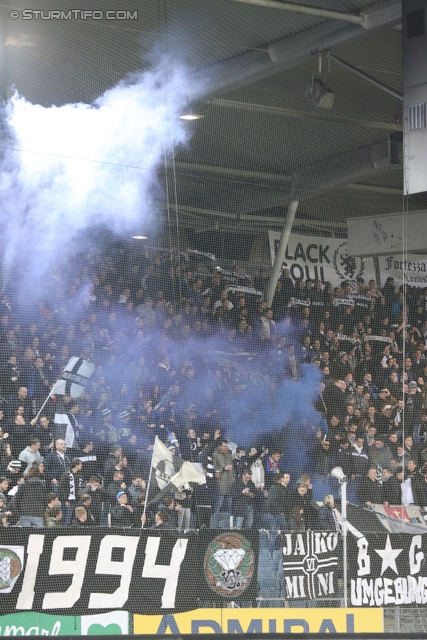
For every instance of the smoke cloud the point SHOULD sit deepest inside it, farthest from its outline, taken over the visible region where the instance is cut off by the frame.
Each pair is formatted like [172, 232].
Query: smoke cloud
[70, 169]
[67, 169]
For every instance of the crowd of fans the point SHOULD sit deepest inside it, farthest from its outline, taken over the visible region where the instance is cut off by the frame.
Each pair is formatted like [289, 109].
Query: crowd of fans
[267, 400]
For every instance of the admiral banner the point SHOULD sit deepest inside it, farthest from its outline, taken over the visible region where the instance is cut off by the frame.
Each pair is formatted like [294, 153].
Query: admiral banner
[387, 570]
[217, 620]
[278, 620]
[311, 564]
[325, 259]
[65, 572]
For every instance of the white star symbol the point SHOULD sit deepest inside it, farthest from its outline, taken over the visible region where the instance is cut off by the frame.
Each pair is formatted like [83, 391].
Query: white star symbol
[389, 556]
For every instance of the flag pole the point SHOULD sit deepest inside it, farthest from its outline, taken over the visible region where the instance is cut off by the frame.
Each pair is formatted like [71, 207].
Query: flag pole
[70, 377]
[43, 406]
[149, 481]
[160, 494]
[45, 402]
[171, 482]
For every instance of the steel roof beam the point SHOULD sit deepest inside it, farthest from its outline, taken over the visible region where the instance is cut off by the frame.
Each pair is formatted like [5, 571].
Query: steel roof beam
[329, 14]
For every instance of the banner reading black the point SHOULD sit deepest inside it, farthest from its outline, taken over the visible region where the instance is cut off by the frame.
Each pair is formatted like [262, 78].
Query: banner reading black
[73, 572]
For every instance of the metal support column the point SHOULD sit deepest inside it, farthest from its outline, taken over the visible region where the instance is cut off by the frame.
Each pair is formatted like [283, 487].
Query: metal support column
[277, 266]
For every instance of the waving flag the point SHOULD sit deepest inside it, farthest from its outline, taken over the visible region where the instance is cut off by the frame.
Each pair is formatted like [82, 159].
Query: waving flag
[73, 378]
[65, 422]
[162, 464]
[188, 473]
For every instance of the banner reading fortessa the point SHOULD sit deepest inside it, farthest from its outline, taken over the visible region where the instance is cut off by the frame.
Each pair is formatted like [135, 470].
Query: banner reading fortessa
[76, 572]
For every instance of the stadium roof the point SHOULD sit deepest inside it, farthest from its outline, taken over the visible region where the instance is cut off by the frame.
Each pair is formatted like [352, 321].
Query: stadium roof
[262, 142]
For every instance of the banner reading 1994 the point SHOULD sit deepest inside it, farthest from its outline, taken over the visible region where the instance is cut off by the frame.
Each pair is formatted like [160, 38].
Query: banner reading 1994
[73, 572]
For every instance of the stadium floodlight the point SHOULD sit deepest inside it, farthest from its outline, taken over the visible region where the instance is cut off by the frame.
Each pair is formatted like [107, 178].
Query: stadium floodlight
[191, 116]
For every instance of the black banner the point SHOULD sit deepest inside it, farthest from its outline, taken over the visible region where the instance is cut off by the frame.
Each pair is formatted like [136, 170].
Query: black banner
[311, 564]
[76, 571]
[387, 569]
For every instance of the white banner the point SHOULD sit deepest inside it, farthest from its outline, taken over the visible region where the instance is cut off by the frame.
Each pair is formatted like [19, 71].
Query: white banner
[412, 268]
[323, 258]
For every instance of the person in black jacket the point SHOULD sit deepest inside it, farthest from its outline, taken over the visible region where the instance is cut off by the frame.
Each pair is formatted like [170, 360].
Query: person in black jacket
[56, 464]
[335, 399]
[241, 462]
[392, 492]
[122, 512]
[279, 506]
[80, 518]
[31, 500]
[86, 502]
[279, 502]
[370, 490]
[243, 494]
[69, 489]
[301, 498]
[162, 521]
[99, 497]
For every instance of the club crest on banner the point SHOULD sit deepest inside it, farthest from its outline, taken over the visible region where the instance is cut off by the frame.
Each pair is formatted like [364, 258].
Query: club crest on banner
[11, 565]
[345, 266]
[229, 564]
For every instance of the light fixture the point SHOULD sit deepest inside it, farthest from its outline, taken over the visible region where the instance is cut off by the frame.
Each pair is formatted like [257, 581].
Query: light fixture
[338, 473]
[191, 116]
[140, 237]
[320, 94]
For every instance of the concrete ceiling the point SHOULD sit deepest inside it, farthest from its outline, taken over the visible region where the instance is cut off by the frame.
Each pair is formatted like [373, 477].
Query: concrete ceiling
[261, 142]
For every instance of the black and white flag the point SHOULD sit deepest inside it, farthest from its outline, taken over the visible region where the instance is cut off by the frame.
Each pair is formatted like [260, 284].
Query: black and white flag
[73, 378]
[66, 423]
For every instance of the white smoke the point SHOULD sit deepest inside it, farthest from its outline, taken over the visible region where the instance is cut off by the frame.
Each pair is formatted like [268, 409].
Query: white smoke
[69, 168]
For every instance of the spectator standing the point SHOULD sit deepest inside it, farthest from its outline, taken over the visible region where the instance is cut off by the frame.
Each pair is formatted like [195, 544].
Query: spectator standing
[31, 454]
[31, 500]
[56, 464]
[243, 494]
[224, 474]
[69, 487]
